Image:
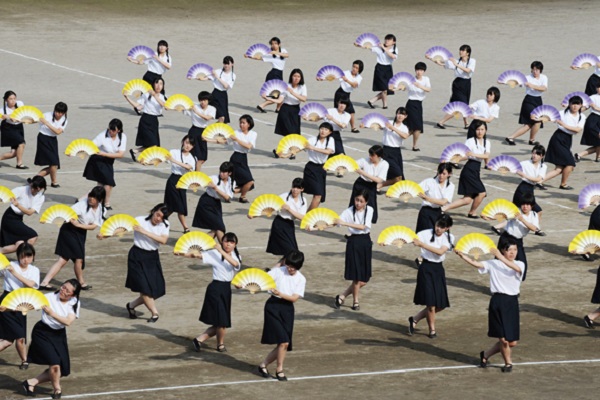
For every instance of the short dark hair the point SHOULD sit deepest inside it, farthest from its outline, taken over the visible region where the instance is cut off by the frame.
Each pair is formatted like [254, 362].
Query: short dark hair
[528, 198]
[421, 65]
[204, 95]
[537, 65]
[376, 150]
[326, 125]
[496, 92]
[296, 71]
[248, 118]
[505, 242]
[361, 65]
[294, 259]
[25, 250]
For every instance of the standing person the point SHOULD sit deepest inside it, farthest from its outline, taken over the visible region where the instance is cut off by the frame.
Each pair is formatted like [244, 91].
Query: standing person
[243, 141]
[372, 172]
[537, 84]
[559, 147]
[27, 201]
[437, 192]
[278, 326]
[222, 80]
[144, 271]
[49, 338]
[315, 177]
[589, 319]
[112, 144]
[431, 290]
[70, 244]
[276, 57]
[182, 160]
[350, 81]
[461, 86]
[151, 105]
[288, 118]
[393, 138]
[158, 64]
[470, 185]
[485, 109]
[386, 54]
[414, 105]
[503, 315]
[532, 174]
[338, 118]
[12, 133]
[51, 125]
[209, 213]
[593, 81]
[13, 324]
[216, 309]
[202, 113]
[282, 236]
[358, 248]
[591, 129]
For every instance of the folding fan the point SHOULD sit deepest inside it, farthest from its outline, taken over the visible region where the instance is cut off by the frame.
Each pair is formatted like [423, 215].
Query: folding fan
[265, 204]
[153, 155]
[505, 164]
[193, 180]
[179, 102]
[401, 81]
[258, 51]
[375, 121]
[141, 53]
[545, 113]
[404, 190]
[118, 225]
[367, 40]
[24, 300]
[458, 109]
[136, 88]
[512, 78]
[218, 130]
[293, 144]
[27, 114]
[584, 97]
[313, 111]
[585, 61]
[254, 280]
[589, 196]
[475, 245]
[5, 194]
[454, 153]
[341, 164]
[396, 235]
[585, 242]
[438, 53]
[500, 210]
[319, 218]
[81, 148]
[330, 73]
[199, 71]
[273, 88]
[58, 214]
[193, 243]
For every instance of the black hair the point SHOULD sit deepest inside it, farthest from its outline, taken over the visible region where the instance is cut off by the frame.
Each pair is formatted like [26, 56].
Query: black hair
[361, 65]
[376, 150]
[443, 221]
[76, 290]
[115, 124]
[505, 242]
[154, 83]
[248, 118]
[540, 151]
[537, 65]
[476, 124]
[7, 94]
[37, 182]
[61, 108]
[162, 207]
[344, 100]
[574, 100]
[297, 183]
[278, 41]
[445, 166]
[528, 198]
[326, 125]
[228, 60]
[400, 110]
[466, 48]
[496, 92]
[596, 85]
[25, 250]
[231, 237]
[389, 36]
[365, 194]
[229, 168]
[204, 95]
[421, 65]
[294, 259]
[163, 43]
[192, 142]
[98, 193]
[296, 71]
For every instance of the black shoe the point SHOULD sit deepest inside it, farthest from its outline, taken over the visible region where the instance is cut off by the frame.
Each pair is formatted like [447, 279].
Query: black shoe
[541, 186]
[355, 130]
[439, 126]
[483, 362]
[275, 153]
[26, 387]
[456, 166]
[22, 167]
[533, 142]
[411, 326]
[56, 395]
[197, 345]
[432, 335]
[153, 319]
[108, 208]
[370, 104]
[416, 149]
[510, 142]
[292, 157]
[262, 371]
[472, 216]
[262, 110]
[338, 302]
[540, 233]
[418, 262]
[132, 155]
[281, 376]
[131, 311]
[586, 257]
[588, 322]
[24, 365]
[355, 307]
[496, 231]
[47, 288]
[87, 287]
[577, 158]
[507, 368]
[55, 185]
[221, 348]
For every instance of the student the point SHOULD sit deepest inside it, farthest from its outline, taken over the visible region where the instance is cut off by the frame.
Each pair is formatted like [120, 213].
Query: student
[437, 192]
[288, 118]
[13, 324]
[358, 258]
[386, 54]
[414, 105]
[28, 200]
[277, 58]
[533, 172]
[485, 110]
[243, 142]
[589, 319]
[461, 86]
[315, 177]
[182, 161]
[537, 84]
[431, 290]
[503, 315]
[12, 133]
[279, 312]
[591, 129]
[51, 126]
[339, 119]
[158, 64]
[201, 113]
[372, 172]
[222, 80]
[216, 309]
[348, 83]
[112, 144]
[593, 81]
[393, 138]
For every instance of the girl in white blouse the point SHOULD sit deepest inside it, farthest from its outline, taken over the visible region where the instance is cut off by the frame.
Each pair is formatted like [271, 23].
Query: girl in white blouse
[559, 148]
[371, 173]
[51, 126]
[13, 324]
[591, 129]
[414, 105]
[315, 177]
[393, 137]
[182, 160]
[158, 64]
[12, 133]
[386, 53]
[201, 113]
[350, 81]
[112, 144]
[288, 118]
[277, 58]
[243, 142]
[532, 174]
[485, 109]
[70, 244]
[222, 80]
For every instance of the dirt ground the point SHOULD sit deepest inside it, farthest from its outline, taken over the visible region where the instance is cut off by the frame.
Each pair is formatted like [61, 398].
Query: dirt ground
[74, 51]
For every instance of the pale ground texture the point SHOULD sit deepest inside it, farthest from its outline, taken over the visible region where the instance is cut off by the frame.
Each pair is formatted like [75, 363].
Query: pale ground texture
[74, 51]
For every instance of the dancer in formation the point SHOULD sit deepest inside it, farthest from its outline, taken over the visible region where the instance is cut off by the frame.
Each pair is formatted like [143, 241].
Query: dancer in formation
[51, 126]
[386, 54]
[12, 133]
[182, 161]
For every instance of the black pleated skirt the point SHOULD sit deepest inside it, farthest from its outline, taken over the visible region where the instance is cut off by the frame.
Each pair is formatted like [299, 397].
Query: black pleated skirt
[595, 219]
[200, 149]
[241, 170]
[315, 180]
[339, 145]
[216, 309]
[381, 78]
[220, 101]
[359, 250]
[144, 273]
[147, 133]
[469, 183]
[427, 217]
[209, 214]
[11, 135]
[13, 324]
[527, 106]
[591, 131]
[13, 229]
[521, 256]
[282, 237]
[359, 185]
[175, 199]
[274, 73]
[70, 244]
[393, 155]
[49, 347]
[414, 118]
[592, 84]
[100, 169]
[342, 94]
[431, 287]
[596, 294]
[461, 90]
[288, 120]
[278, 326]
[47, 151]
[558, 151]
[521, 190]
[503, 317]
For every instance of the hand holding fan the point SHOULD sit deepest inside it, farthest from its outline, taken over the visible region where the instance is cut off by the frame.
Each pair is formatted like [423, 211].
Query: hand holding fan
[265, 205]
[27, 114]
[136, 88]
[475, 245]
[81, 148]
[319, 218]
[3, 261]
[586, 242]
[141, 53]
[193, 243]
[193, 180]
[25, 300]
[454, 153]
[404, 190]
[367, 40]
[396, 235]
[6, 194]
[118, 225]
[254, 280]
[505, 164]
[58, 214]
[313, 112]
[273, 88]
[341, 164]
[291, 144]
[153, 155]
[500, 210]
[257, 51]
[589, 196]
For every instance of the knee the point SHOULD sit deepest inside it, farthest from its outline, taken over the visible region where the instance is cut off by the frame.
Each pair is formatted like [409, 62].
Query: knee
[54, 369]
[512, 344]
[283, 346]
[20, 342]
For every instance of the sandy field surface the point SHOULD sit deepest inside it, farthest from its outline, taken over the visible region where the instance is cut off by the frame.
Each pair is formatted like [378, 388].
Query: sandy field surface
[75, 51]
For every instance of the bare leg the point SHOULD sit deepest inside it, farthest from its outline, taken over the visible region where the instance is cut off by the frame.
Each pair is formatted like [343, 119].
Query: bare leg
[316, 200]
[506, 350]
[181, 218]
[78, 268]
[554, 173]
[281, 352]
[53, 173]
[108, 190]
[221, 119]
[4, 344]
[446, 118]
[465, 201]
[221, 335]
[246, 189]
[55, 269]
[55, 377]
[21, 349]
[11, 248]
[476, 202]
[466, 122]
[495, 349]
[377, 97]
[389, 182]
[520, 131]
[352, 126]
[416, 134]
[8, 155]
[534, 130]
[565, 175]
[19, 154]
[594, 314]
[199, 164]
[149, 303]
[207, 334]
[384, 98]
[431, 318]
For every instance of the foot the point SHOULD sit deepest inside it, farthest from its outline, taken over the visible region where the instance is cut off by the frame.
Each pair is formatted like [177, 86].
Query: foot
[57, 394]
[411, 326]
[418, 262]
[565, 187]
[262, 371]
[385, 107]
[86, 287]
[262, 110]
[472, 216]
[47, 288]
[197, 345]
[153, 319]
[432, 335]
[24, 365]
[21, 166]
[586, 257]
[339, 300]
[243, 200]
[589, 323]
[186, 230]
[275, 153]
[510, 141]
[416, 149]
[370, 104]
[221, 348]
[541, 186]
[55, 185]
[466, 127]
[132, 153]
[456, 166]
[533, 142]
[356, 306]
[539, 232]
[131, 312]
[482, 360]
[28, 388]
[280, 376]
[440, 126]
[507, 368]
[496, 231]
[108, 207]
[354, 130]
[292, 157]
[577, 157]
